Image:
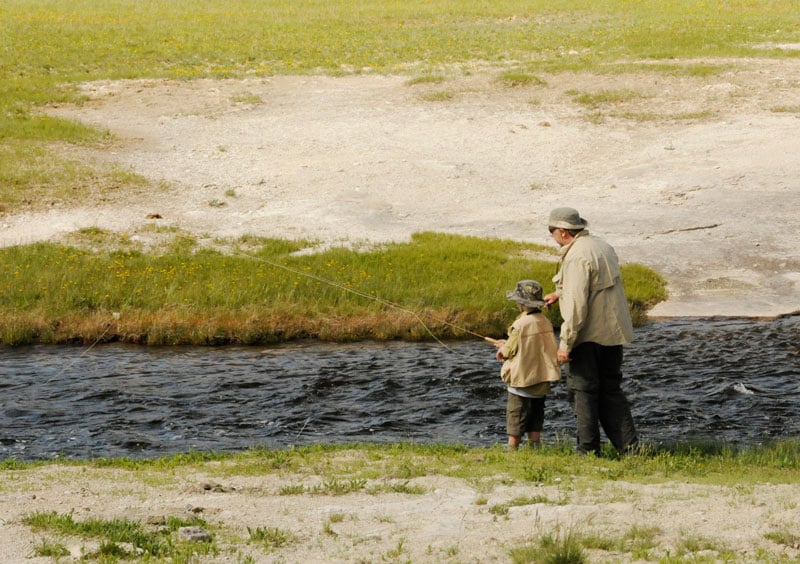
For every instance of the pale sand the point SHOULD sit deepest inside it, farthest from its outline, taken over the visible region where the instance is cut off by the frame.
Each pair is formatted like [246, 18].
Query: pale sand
[454, 520]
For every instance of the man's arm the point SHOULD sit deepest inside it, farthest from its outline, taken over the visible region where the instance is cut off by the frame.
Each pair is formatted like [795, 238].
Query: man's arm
[574, 302]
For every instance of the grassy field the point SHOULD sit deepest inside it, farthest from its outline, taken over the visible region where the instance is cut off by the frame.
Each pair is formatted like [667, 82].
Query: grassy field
[441, 286]
[52, 293]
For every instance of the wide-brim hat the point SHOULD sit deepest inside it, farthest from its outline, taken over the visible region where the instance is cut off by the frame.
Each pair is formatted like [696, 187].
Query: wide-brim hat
[528, 293]
[566, 218]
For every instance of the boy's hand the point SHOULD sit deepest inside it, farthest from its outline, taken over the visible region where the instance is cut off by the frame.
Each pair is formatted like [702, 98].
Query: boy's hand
[496, 342]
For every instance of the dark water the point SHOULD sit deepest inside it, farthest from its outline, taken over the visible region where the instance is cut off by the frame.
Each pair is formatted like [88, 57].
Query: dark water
[733, 380]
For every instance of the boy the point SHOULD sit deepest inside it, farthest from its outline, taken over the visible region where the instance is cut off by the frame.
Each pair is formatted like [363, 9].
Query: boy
[529, 364]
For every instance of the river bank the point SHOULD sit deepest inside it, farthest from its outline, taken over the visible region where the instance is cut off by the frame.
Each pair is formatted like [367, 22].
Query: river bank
[397, 504]
[694, 176]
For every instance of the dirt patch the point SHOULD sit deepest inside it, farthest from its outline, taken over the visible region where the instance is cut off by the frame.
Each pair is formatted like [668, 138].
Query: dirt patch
[694, 176]
[451, 520]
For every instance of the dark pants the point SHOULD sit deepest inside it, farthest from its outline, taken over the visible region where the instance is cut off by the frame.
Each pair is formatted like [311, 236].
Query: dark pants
[594, 381]
[524, 415]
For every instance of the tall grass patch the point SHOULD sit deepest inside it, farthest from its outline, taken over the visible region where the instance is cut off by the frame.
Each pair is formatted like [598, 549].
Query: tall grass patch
[435, 285]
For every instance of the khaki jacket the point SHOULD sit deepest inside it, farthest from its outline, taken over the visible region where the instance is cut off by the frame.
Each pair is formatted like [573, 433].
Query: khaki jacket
[591, 295]
[530, 352]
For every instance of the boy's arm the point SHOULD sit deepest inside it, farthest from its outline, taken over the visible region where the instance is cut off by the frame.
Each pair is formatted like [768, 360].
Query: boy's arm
[509, 348]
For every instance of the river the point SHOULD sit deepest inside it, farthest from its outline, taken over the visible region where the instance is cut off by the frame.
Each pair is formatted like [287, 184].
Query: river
[732, 380]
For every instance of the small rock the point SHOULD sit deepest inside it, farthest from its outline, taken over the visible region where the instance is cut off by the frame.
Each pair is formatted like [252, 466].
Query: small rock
[194, 534]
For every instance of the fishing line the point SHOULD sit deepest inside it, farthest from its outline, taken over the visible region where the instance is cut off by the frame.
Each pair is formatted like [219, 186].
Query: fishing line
[65, 367]
[378, 299]
[320, 279]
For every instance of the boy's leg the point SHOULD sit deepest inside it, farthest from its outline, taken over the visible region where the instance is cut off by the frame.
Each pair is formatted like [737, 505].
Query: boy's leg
[535, 421]
[514, 411]
[534, 439]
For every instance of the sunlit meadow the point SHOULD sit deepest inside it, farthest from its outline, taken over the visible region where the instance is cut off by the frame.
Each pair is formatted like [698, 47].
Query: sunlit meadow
[436, 285]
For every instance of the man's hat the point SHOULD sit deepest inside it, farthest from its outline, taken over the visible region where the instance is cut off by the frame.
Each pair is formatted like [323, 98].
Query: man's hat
[566, 218]
[527, 293]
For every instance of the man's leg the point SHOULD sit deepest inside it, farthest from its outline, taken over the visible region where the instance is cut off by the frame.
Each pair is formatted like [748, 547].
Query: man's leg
[584, 385]
[614, 408]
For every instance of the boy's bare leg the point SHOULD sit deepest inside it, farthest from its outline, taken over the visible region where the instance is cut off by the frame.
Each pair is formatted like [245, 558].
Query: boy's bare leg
[513, 442]
[534, 438]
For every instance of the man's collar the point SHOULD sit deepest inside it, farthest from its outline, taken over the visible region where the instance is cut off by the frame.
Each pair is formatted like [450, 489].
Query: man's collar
[565, 249]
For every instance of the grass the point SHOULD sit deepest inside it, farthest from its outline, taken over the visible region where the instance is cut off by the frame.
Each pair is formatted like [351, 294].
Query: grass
[558, 548]
[594, 100]
[343, 469]
[513, 78]
[437, 96]
[34, 175]
[118, 538]
[271, 538]
[264, 290]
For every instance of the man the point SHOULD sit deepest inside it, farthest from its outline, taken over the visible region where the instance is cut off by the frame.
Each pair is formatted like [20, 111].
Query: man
[596, 324]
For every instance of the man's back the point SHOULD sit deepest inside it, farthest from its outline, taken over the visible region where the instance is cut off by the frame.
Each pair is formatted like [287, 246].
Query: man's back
[593, 301]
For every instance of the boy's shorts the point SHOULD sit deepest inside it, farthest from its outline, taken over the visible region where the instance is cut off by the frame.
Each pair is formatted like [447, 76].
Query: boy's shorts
[524, 415]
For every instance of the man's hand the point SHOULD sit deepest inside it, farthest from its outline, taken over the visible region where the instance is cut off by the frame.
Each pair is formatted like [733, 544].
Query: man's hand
[550, 299]
[562, 356]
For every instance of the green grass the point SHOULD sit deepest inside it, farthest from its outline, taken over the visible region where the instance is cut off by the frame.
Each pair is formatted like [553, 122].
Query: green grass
[595, 100]
[514, 78]
[435, 286]
[271, 538]
[355, 467]
[33, 175]
[552, 548]
[115, 535]
[437, 96]
[48, 47]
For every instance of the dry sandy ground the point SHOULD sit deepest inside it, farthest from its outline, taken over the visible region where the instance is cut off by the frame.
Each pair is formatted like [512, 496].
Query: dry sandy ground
[452, 521]
[697, 178]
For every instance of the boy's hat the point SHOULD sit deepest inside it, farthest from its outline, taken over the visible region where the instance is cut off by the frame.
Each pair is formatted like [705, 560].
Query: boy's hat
[566, 218]
[528, 293]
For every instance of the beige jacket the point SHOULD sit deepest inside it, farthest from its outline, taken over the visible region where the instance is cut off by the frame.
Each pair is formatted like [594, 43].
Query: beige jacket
[530, 352]
[591, 296]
